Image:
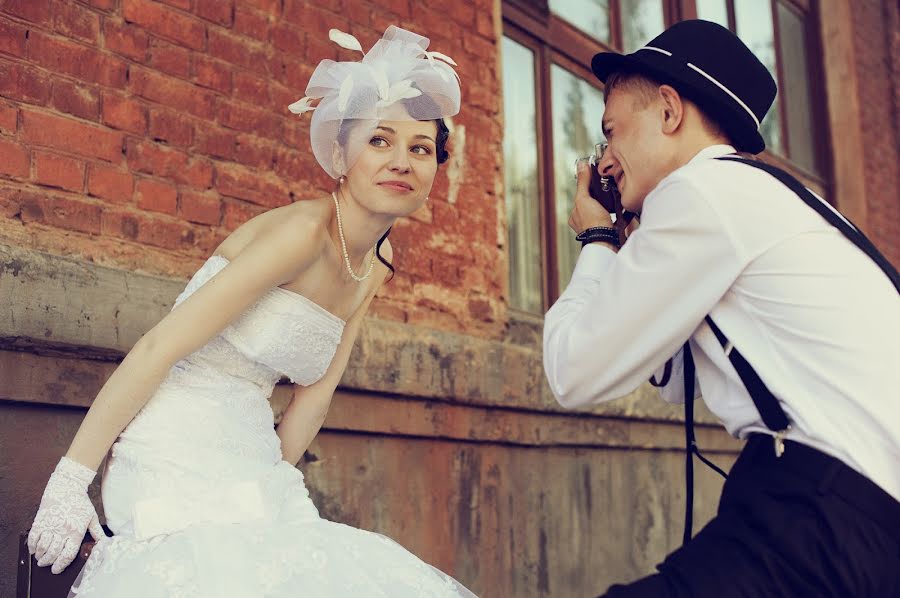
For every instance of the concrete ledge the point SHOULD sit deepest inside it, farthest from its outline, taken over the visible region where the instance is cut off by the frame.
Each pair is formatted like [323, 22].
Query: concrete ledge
[71, 382]
[62, 306]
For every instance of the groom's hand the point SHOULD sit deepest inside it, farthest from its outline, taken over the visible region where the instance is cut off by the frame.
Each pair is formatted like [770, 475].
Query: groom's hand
[586, 211]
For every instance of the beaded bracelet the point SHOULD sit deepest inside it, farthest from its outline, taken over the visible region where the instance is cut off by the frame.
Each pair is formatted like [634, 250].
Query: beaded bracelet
[598, 233]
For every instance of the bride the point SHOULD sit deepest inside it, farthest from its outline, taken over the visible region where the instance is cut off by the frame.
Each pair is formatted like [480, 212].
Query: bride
[200, 489]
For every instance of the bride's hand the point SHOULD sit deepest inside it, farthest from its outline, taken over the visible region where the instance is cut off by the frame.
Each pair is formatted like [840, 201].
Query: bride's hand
[64, 515]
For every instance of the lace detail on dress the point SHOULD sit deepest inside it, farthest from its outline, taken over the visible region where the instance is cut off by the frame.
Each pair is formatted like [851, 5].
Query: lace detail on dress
[202, 503]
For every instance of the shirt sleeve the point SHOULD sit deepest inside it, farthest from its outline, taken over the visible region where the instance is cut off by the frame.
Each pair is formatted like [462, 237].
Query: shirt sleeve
[623, 315]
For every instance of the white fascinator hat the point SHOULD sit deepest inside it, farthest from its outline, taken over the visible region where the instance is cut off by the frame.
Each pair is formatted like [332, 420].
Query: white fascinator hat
[398, 79]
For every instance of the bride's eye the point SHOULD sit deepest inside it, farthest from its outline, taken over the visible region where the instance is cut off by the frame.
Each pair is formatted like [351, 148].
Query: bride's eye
[423, 150]
[378, 141]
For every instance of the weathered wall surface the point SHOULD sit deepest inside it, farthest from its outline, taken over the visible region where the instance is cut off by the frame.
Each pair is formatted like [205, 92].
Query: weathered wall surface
[433, 441]
[136, 134]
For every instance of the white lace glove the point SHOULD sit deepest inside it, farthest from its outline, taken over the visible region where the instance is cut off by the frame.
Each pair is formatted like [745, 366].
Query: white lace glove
[64, 515]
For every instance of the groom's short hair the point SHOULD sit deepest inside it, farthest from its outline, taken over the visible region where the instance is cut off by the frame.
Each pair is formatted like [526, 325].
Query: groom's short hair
[644, 90]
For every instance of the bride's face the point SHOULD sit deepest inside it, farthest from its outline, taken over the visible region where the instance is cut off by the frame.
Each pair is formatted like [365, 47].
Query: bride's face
[395, 170]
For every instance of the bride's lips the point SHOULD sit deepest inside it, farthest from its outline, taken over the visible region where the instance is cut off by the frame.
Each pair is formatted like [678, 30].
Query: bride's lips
[396, 186]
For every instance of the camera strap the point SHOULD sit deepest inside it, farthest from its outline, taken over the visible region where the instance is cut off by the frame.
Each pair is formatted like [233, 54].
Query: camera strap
[766, 403]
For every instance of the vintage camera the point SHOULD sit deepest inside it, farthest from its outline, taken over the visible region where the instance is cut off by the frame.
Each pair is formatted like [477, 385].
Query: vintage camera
[601, 188]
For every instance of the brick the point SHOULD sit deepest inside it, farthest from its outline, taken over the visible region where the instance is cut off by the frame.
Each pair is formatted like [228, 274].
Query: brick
[74, 20]
[182, 4]
[253, 151]
[165, 233]
[12, 38]
[200, 208]
[82, 62]
[19, 82]
[127, 40]
[171, 127]
[36, 11]
[272, 7]
[480, 48]
[399, 7]
[8, 117]
[10, 203]
[247, 119]
[75, 99]
[155, 196]
[290, 164]
[14, 160]
[217, 11]
[212, 73]
[235, 50]
[251, 89]
[252, 24]
[62, 212]
[122, 225]
[172, 92]
[58, 171]
[75, 137]
[165, 22]
[215, 142]
[461, 12]
[198, 174]
[237, 213]
[263, 190]
[316, 21]
[104, 5]
[289, 38]
[152, 158]
[484, 24]
[169, 58]
[115, 185]
[124, 113]
[281, 97]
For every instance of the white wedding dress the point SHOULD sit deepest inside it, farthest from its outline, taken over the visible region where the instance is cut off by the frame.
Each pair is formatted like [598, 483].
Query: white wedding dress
[199, 499]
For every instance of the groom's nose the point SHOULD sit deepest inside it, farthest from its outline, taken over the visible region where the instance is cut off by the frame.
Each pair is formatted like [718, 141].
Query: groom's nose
[607, 166]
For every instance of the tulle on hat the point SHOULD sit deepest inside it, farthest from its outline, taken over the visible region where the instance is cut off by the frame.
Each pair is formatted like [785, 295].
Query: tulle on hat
[398, 79]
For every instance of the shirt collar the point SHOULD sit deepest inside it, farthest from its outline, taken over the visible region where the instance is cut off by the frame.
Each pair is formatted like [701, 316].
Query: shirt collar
[712, 151]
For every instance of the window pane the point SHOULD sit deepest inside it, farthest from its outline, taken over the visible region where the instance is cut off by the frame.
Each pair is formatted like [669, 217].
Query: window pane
[591, 16]
[577, 114]
[753, 19]
[642, 20]
[521, 177]
[792, 36]
[713, 10]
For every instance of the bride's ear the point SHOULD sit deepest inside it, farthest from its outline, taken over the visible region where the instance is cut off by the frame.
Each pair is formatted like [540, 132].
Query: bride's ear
[337, 159]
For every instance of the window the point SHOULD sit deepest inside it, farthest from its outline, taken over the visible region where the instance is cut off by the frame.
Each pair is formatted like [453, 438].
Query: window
[780, 32]
[553, 107]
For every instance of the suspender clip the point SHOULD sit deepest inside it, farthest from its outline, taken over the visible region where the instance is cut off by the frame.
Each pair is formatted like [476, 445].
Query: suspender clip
[779, 441]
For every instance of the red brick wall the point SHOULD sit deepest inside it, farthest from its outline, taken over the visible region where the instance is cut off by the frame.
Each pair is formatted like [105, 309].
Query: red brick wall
[140, 133]
[877, 48]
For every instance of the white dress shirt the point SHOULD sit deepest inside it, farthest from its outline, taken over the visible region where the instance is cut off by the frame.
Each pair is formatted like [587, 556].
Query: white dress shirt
[813, 315]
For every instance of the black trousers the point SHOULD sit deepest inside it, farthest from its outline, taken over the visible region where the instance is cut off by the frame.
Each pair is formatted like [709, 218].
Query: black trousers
[804, 525]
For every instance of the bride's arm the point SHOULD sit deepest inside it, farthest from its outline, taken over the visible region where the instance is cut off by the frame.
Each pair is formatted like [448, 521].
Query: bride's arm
[274, 259]
[306, 412]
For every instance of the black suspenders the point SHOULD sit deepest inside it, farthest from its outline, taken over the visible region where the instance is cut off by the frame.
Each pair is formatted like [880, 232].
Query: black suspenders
[766, 403]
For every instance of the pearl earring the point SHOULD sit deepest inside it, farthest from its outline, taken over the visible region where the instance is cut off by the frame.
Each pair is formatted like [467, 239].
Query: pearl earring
[342, 179]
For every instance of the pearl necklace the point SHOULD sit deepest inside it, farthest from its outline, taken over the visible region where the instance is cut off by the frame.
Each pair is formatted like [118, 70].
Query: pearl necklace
[337, 209]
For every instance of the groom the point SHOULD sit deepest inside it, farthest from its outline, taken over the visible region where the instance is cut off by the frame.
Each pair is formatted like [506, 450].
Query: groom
[780, 309]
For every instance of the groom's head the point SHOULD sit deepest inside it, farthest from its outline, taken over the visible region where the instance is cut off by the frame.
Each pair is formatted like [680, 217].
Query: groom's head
[694, 85]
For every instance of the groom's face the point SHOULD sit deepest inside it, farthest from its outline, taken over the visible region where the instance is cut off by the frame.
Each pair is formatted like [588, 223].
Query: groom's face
[634, 157]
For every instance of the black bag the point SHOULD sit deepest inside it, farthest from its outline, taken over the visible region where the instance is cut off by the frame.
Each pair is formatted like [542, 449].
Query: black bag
[38, 582]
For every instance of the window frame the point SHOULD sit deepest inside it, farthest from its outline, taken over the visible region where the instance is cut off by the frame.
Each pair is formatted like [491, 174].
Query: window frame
[553, 40]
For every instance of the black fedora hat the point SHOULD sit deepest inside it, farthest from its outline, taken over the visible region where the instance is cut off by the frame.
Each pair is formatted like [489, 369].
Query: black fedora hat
[712, 67]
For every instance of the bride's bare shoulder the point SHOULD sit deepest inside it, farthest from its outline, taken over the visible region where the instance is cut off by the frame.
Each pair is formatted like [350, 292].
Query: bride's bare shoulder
[294, 232]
